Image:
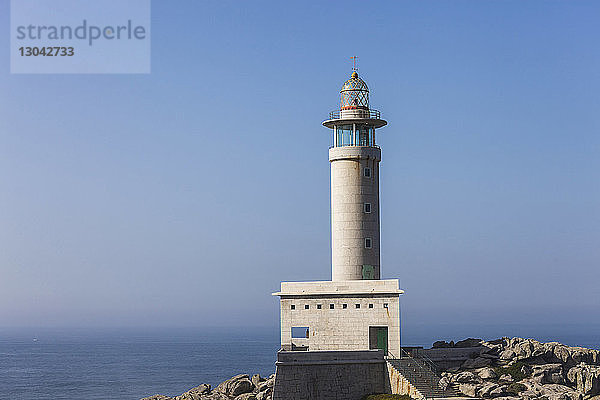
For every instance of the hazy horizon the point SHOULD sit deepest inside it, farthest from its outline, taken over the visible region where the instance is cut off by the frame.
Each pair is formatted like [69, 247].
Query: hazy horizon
[182, 198]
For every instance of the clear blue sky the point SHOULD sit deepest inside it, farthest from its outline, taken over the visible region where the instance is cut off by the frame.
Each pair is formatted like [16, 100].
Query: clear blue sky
[185, 196]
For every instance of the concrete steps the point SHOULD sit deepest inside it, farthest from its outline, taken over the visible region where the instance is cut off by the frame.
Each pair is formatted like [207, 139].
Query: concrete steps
[422, 378]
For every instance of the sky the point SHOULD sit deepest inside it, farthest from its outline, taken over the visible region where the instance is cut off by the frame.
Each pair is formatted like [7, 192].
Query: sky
[185, 196]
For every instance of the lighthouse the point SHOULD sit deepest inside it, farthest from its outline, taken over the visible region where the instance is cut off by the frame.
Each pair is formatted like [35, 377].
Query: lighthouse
[354, 158]
[356, 311]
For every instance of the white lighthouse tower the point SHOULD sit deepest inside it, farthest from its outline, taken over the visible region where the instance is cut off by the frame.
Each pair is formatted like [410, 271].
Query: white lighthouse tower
[354, 159]
[356, 310]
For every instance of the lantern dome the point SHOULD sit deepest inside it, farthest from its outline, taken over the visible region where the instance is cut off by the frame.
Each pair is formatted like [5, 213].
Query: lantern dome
[354, 93]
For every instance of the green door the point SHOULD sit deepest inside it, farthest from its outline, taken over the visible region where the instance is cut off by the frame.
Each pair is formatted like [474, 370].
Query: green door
[382, 339]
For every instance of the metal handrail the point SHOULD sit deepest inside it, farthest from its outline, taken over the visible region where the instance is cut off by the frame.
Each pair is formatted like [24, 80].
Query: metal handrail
[372, 114]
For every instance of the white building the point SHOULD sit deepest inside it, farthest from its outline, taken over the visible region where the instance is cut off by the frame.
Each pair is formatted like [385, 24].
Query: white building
[356, 310]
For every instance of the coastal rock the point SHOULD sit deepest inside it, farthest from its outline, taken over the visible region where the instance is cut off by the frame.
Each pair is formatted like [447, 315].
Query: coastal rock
[506, 378]
[548, 373]
[466, 377]
[264, 385]
[445, 381]
[235, 386]
[157, 397]
[246, 396]
[487, 373]
[214, 396]
[264, 396]
[470, 342]
[485, 389]
[195, 393]
[440, 344]
[586, 378]
[256, 379]
[468, 389]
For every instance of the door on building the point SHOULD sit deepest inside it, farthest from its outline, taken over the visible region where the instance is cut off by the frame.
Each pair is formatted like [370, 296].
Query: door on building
[378, 338]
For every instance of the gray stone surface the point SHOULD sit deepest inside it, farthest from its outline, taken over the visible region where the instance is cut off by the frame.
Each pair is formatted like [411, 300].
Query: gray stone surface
[347, 375]
[235, 386]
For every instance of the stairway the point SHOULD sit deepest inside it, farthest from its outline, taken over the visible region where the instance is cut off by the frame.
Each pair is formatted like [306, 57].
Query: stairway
[422, 378]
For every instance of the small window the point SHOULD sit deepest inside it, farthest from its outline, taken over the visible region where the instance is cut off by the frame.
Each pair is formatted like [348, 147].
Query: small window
[367, 172]
[385, 305]
[319, 306]
[306, 306]
[300, 332]
[370, 305]
[331, 306]
[368, 243]
[357, 305]
[293, 307]
[344, 305]
[368, 208]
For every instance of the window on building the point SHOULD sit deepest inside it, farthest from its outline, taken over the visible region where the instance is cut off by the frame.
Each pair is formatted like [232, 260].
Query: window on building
[300, 332]
[368, 243]
[370, 305]
[368, 208]
[365, 135]
[331, 306]
[357, 305]
[344, 136]
[367, 172]
[385, 305]
[306, 306]
[293, 307]
[344, 305]
[319, 306]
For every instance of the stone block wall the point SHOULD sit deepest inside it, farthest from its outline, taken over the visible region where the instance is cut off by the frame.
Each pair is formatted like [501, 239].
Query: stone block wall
[329, 375]
[341, 328]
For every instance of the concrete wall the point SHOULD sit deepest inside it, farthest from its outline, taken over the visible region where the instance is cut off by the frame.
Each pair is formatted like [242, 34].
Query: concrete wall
[350, 225]
[343, 375]
[341, 328]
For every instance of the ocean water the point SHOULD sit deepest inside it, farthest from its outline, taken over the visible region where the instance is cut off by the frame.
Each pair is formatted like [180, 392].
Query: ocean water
[131, 364]
[128, 364]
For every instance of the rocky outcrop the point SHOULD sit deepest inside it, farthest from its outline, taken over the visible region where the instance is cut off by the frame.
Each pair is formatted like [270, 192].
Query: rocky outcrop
[586, 378]
[239, 387]
[516, 368]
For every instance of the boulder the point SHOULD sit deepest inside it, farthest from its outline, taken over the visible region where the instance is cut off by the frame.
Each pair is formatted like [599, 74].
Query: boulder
[468, 389]
[485, 389]
[586, 379]
[507, 354]
[506, 378]
[262, 395]
[246, 396]
[487, 373]
[256, 379]
[214, 396]
[440, 344]
[235, 386]
[478, 362]
[466, 377]
[195, 393]
[470, 342]
[445, 381]
[548, 373]
[263, 386]
[158, 397]
[500, 391]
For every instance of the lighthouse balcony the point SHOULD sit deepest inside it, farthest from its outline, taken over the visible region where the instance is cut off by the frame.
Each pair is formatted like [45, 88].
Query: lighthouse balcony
[355, 112]
[355, 115]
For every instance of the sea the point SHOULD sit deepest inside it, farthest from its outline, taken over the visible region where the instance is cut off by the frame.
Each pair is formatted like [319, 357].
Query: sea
[129, 364]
